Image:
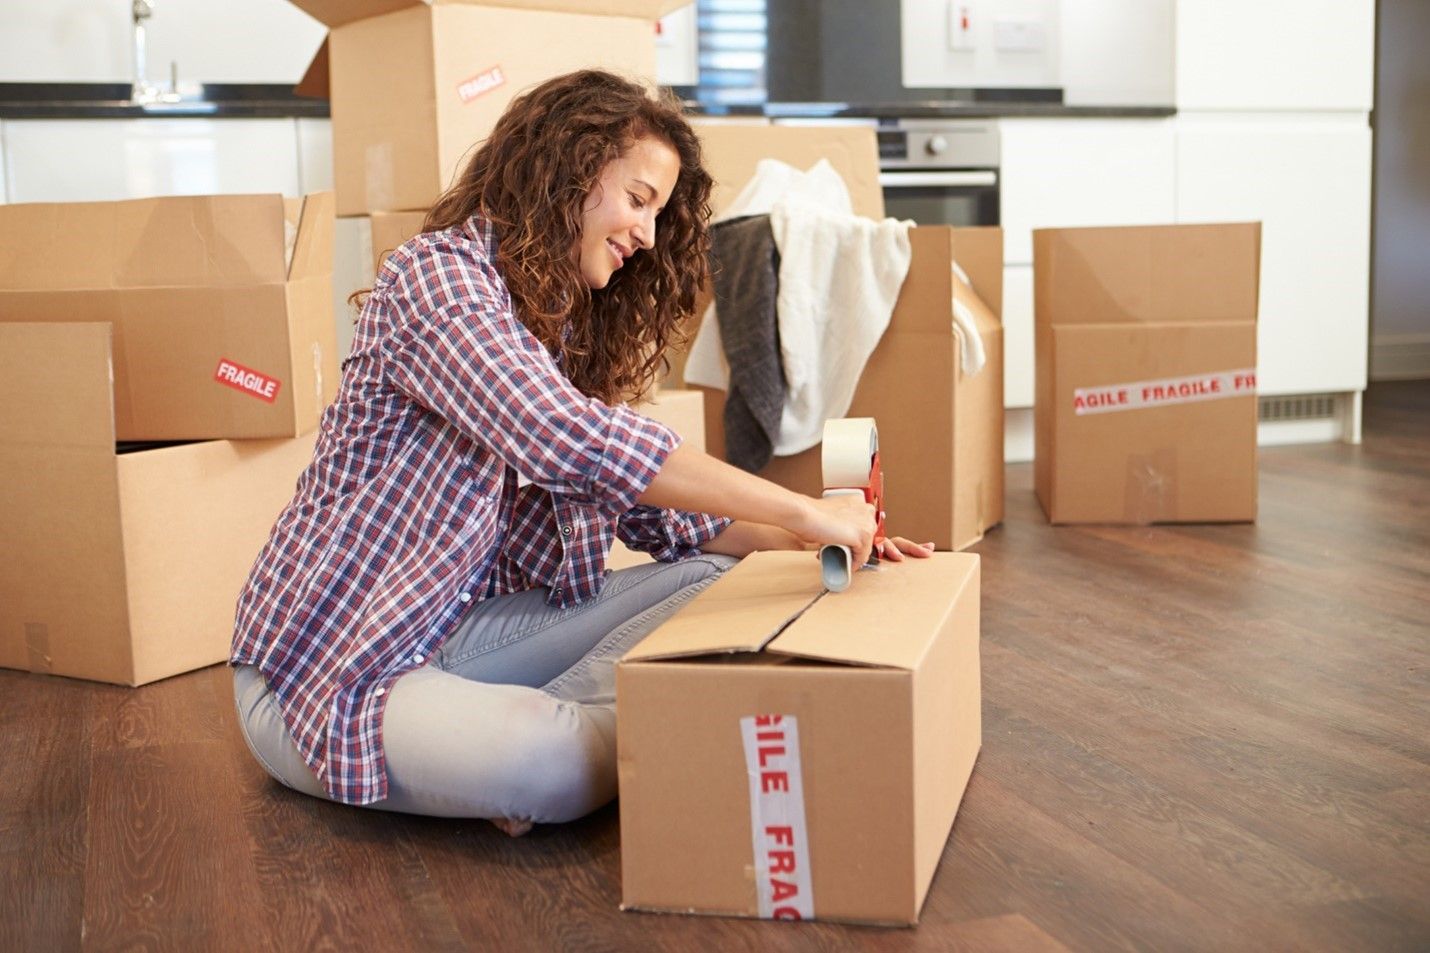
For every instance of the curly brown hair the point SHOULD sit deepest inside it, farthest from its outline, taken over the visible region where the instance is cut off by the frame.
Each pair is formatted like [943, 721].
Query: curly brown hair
[530, 179]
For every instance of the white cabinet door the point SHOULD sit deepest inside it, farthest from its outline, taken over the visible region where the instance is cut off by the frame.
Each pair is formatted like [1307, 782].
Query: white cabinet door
[1275, 54]
[1018, 336]
[4, 179]
[1070, 172]
[84, 160]
[1307, 180]
[315, 155]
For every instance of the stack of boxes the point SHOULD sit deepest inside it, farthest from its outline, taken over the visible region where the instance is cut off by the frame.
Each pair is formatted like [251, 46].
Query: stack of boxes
[415, 85]
[163, 365]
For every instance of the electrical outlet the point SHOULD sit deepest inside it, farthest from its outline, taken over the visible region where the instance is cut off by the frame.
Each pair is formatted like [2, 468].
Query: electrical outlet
[1018, 36]
[960, 26]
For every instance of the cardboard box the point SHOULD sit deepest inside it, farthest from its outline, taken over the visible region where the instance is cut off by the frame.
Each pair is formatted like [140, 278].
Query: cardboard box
[415, 84]
[940, 431]
[1145, 351]
[732, 150]
[221, 305]
[389, 231]
[129, 560]
[788, 754]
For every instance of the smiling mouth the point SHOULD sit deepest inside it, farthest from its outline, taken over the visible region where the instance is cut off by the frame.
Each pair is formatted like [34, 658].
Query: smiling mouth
[619, 251]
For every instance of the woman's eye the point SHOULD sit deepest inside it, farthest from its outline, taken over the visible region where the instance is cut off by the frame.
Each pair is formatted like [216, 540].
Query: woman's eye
[636, 200]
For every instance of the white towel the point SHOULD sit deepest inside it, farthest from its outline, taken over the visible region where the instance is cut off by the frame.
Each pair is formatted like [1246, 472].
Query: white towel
[773, 182]
[840, 275]
[839, 278]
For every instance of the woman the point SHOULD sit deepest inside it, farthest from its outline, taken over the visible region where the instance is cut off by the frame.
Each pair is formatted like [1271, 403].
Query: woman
[430, 627]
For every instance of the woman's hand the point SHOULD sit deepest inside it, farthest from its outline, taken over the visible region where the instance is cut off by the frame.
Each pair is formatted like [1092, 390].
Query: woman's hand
[895, 548]
[843, 520]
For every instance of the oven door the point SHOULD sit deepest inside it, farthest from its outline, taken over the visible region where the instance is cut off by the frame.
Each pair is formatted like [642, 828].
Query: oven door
[942, 197]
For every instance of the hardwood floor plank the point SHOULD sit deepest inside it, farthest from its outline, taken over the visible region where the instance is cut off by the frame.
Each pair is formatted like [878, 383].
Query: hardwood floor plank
[44, 829]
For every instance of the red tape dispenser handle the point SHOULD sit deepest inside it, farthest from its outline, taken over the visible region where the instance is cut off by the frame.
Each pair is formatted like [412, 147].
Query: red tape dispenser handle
[850, 463]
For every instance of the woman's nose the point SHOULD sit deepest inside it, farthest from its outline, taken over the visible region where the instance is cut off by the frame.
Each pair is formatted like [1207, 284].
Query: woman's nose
[644, 232]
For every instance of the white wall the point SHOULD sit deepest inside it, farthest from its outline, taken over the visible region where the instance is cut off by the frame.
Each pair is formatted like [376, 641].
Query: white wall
[213, 41]
[1118, 52]
[1008, 43]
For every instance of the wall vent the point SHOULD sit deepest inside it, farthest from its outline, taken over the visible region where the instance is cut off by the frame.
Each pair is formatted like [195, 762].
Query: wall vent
[1297, 407]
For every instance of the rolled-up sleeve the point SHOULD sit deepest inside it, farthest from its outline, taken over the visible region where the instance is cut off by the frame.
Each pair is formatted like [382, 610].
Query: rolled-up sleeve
[463, 354]
[668, 535]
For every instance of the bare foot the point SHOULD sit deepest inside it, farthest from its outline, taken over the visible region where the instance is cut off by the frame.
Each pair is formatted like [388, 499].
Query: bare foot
[511, 826]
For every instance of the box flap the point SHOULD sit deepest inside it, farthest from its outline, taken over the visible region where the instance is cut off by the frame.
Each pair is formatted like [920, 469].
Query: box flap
[733, 150]
[1157, 273]
[888, 617]
[313, 243]
[59, 385]
[979, 252]
[643, 9]
[335, 13]
[174, 241]
[315, 84]
[741, 611]
[64, 607]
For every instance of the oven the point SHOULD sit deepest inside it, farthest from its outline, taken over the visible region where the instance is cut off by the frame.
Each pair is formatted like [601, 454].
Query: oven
[933, 171]
[939, 171]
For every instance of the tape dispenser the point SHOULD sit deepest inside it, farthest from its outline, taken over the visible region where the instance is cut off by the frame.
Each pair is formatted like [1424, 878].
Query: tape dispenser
[850, 463]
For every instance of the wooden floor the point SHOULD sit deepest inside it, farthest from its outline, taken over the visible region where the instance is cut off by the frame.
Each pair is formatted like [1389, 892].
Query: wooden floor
[1200, 737]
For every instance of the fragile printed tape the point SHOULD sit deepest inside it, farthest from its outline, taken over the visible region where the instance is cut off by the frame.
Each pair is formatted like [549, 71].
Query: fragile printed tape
[1215, 385]
[777, 824]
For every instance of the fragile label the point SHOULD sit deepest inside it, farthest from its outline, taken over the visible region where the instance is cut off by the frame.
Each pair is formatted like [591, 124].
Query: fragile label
[1173, 390]
[782, 876]
[484, 82]
[246, 379]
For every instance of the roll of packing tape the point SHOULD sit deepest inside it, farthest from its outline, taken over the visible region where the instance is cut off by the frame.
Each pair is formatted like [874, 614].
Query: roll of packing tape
[849, 447]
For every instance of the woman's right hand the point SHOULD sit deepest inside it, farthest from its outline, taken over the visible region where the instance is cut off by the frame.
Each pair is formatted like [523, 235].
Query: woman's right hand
[843, 520]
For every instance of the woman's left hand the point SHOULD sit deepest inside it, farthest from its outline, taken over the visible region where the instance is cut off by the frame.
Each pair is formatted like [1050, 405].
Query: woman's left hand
[895, 548]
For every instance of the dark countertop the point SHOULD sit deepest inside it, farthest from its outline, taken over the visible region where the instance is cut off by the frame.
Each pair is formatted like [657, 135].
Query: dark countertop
[943, 109]
[963, 110]
[112, 101]
[277, 100]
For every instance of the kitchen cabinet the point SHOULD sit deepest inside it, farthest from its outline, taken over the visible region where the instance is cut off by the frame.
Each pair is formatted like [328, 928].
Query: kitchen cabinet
[1307, 180]
[1273, 103]
[1275, 54]
[1059, 173]
[85, 160]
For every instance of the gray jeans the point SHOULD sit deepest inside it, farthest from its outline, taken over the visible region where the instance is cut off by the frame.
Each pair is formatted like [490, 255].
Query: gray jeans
[514, 717]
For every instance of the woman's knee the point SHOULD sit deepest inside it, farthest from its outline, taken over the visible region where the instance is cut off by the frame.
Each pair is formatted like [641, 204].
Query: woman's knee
[563, 766]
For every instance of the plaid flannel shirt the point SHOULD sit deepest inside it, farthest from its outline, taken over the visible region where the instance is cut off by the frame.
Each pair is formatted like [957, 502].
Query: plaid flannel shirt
[417, 502]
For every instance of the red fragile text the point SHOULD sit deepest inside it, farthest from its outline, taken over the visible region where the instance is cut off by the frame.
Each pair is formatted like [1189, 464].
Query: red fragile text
[483, 82]
[246, 379]
[780, 841]
[1159, 393]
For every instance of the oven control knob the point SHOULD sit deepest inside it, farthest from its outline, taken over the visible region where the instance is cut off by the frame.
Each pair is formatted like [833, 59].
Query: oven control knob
[936, 146]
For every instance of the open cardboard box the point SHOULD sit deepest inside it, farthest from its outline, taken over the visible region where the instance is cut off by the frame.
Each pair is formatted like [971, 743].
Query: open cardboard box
[126, 563]
[415, 84]
[221, 305]
[1145, 405]
[788, 753]
[940, 431]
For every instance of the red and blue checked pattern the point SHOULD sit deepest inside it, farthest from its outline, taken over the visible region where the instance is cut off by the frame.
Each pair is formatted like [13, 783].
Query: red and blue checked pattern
[412, 508]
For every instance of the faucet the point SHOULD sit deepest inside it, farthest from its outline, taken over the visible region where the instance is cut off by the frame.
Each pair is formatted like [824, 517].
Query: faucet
[143, 91]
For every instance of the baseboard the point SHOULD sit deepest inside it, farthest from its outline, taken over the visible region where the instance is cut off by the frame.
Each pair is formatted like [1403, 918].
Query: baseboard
[1400, 357]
